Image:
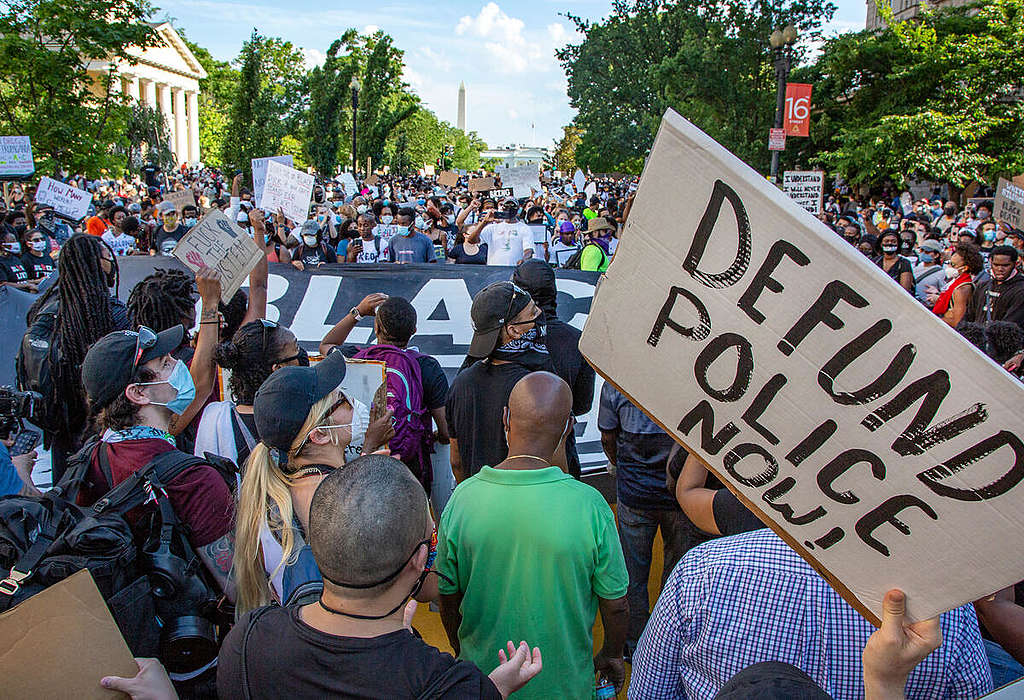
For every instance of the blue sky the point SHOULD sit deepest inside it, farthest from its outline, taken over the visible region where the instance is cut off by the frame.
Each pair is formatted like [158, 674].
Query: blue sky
[502, 50]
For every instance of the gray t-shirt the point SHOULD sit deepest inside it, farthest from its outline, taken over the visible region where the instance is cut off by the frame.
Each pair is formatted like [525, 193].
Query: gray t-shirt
[416, 248]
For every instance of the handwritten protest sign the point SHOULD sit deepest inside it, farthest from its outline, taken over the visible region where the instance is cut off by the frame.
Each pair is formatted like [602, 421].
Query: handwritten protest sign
[180, 199]
[372, 180]
[481, 184]
[523, 179]
[16, 157]
[218, 243]
[805, 187]
[287, 189]
[877, 442]
[499, 193]
[349, 182]
[259, 175]
[65, 199]
[448, 179]
[1009, 203]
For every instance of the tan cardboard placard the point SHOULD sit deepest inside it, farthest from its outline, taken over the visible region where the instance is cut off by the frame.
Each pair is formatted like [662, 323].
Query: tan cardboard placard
[877, 442]
[479, 184]
[448, 179]
[1009, 203]
[372, 180]
[60, 642]
[217, 242]
[180, 199]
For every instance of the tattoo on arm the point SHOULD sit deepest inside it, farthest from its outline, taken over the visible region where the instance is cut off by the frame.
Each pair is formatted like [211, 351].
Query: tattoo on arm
[218, 555]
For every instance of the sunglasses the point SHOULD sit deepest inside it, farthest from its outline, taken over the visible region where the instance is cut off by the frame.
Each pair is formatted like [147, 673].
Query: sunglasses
[144, 340]
[266, 324]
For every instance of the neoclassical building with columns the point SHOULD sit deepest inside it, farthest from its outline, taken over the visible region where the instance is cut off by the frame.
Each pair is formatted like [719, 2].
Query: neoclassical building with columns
[166, 76]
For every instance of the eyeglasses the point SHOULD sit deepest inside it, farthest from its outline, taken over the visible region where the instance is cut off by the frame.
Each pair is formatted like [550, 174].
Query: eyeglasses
[144, 340]
[266, 324]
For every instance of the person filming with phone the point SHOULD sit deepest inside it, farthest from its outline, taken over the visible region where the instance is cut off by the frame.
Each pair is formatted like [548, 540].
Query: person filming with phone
[509, 241]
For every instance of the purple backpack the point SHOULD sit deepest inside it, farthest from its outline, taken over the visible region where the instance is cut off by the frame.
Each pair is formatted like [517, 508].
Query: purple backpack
[413, 437]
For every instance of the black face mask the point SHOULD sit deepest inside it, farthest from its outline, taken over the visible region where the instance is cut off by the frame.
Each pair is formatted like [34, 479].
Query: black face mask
[302, 356]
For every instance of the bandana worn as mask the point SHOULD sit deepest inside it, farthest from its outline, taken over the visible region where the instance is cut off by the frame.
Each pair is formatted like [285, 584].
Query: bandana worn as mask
[529, 350]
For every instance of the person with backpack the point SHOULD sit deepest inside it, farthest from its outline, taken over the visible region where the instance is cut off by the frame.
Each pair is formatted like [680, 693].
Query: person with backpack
[308, 428]
[596, 253]
[312, 251]
[416, 385]
[368, 248]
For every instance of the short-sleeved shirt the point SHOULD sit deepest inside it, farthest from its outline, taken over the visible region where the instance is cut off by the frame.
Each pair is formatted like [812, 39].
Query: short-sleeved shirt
[420, 247]
[38, 267]
[559, 252]
[12, 269]
[119, 244]
[288, 658]
[164, 240]
[317, 255]
[642, 450]
[459, 255]
[507, 243]
[10, 482]
[374, 250]
[531, 551]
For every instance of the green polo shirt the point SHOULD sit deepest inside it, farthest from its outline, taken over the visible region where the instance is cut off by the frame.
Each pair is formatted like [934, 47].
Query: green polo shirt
[531, 551]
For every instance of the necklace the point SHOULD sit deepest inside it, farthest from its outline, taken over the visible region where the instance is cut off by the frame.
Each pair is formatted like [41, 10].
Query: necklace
[539, 459]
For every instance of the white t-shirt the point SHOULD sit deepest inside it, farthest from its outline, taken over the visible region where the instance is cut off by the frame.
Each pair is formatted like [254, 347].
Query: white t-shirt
[119, 244]
[507, 243]
[370, 253]
[559, 252]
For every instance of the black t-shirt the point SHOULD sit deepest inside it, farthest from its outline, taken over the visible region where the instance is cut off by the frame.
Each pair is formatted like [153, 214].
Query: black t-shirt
[311, 257]
[13, 269]
[151, 173]
[475, 405]
[564, 346]
[731, 516]
[40, 267]
[164, 240]
[899, 267]
[461, 257]
[286, 658]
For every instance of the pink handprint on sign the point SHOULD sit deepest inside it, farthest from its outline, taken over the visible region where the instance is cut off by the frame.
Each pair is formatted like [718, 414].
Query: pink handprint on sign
[195, 258]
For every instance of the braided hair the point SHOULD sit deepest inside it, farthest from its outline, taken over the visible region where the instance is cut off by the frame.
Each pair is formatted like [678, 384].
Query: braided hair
[84, 316]
[162, 299]
[249, 360]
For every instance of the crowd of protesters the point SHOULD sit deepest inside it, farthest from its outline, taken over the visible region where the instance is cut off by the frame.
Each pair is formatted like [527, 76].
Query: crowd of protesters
[318, 519]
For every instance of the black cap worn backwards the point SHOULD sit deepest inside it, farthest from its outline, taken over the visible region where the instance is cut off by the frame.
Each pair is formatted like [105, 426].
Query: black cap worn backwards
[284, 400]
[493, 307]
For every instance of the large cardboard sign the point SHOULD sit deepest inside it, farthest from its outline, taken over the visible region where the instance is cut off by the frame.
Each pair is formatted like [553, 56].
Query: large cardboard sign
[181, 199]
[448, 179]
[287, 189]
[1009, 203]
[523, 179]
[218, 243]
[259, 174]
[481, 184]
[805, 187]
[65, 199]
[16, 157]
[876, 441]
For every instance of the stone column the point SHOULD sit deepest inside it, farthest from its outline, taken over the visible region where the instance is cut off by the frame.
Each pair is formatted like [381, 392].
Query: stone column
[134, 88]
[149, 93]
[193, 126]
[168, 112]
[180, 126]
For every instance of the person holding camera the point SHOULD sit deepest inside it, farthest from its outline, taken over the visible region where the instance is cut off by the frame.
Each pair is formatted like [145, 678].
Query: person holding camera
[508, 240]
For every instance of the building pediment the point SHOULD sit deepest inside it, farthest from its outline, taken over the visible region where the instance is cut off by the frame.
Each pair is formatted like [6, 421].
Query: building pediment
[169, 53]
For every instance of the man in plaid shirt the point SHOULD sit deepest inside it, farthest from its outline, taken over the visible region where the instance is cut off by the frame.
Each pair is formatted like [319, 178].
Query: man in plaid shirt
[740, 600]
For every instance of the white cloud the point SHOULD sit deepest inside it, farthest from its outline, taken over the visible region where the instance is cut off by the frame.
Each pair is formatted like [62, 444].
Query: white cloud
[312, 58]
[507, 49]
[512, 114]
[370, 29]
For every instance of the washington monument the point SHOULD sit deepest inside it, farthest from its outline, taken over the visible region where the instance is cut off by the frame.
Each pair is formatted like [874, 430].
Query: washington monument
[461, 123]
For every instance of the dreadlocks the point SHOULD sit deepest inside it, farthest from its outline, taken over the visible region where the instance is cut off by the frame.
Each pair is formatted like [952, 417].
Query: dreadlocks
[250, 356]
[162, 300]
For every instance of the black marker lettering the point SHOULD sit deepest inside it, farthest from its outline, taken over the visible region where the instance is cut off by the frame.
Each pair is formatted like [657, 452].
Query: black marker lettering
[821, 312]
[761, 403]
[700, 332]
[810, 444]
[710, 441]
[935, 477]
[840, 465]
[744, 366]
[765, 476]
[881, 386]
[886, 513]
[781, 489]
[763, 278]
[739, 265]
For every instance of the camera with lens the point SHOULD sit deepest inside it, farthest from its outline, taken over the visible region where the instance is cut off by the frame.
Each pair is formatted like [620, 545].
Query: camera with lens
[15, 405]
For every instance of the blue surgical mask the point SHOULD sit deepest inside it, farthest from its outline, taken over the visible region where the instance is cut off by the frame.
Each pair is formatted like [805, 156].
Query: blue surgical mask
[403, 230]
[926, 257]
[421, 223]
[338, 219]
[421, 202]
[190, 222]
[989, 235]
[181, 381]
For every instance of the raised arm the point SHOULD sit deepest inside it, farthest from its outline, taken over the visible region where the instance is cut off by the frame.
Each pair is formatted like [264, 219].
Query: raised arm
[473, 234]
[338, 334]
[259, 276]
[203, 368]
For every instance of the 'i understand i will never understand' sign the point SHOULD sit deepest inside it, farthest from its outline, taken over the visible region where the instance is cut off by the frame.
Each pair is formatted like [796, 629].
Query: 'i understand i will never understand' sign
[879, 444]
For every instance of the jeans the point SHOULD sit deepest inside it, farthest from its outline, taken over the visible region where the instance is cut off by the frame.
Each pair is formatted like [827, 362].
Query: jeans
[1004, 668]
[637, 529]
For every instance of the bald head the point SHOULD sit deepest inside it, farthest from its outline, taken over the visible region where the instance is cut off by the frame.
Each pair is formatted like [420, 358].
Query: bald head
[538, 409]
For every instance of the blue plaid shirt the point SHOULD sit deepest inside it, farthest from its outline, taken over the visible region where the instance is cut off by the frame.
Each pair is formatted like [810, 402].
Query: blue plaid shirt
[739, 600]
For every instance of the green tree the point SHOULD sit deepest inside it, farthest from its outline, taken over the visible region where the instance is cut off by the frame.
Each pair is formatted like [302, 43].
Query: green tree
[148, 139]
[216, 94]
[328, 102]
[564, 155]
[937, 98]
[384, 100]
[46, 89]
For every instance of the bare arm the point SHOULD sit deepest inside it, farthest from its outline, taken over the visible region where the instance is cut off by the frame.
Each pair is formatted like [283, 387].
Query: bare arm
[464, 214]
[958, 308]
[203, 368]
[441, 421]
[258, 277]
[907, 281]
[615, 620]
[337, 335]
[451, 618]
[456, 459]
[473, 234]
[1004, 620]
[696, 501]
[216, 557]
[610, 445]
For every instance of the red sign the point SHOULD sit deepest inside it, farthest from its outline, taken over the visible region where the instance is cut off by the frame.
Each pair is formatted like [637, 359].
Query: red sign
[797, 116]
[776, 139]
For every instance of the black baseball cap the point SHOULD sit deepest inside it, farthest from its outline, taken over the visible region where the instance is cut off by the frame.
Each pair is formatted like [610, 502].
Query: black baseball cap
[493, 307]
[771, 680]
[108, 367]
[284, 400]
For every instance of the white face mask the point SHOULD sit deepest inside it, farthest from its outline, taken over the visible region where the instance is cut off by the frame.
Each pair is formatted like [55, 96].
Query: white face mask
[39, 246]
[361, 209]
[13, 248]
[951, 272]
[309, 240]
[386, 219]
[356, 427]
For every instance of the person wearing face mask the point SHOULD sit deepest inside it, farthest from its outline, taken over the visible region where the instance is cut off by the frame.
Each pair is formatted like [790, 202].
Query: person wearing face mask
[929, 272]
[170, 231]
[509, 241]
[121, 236]
[892, 263]
[312, 251]
[36, 255]
[409, 245]
[13, 272]
[308, 428]
[565, 245]
[987, 235]
[189, 216]
[963, 265]
[136, 390]
[1001, 296]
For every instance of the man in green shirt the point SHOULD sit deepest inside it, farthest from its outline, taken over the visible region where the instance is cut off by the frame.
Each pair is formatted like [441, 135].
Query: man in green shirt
[534, 554]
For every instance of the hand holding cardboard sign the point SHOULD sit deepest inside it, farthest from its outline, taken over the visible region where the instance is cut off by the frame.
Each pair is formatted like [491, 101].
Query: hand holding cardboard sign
[151, 682]
[896, 648]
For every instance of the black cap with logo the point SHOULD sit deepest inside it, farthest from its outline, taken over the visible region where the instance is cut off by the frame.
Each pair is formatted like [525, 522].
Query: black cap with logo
[493, 307]
[110, 363]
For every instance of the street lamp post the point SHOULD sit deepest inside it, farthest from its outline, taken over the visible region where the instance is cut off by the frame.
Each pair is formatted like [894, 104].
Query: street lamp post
[355, 107]
[781, 41]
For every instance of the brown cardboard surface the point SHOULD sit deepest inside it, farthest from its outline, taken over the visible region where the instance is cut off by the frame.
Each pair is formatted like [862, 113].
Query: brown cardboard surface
[219, 243]
[372, 180]
[59, 644]
[480, 184]
[448, 179]
[701, 327]
[1009, 203]
[180, 199]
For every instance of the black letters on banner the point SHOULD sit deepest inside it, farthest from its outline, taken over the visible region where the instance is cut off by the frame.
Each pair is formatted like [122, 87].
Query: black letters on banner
[885, 382]
[839, 466]
[738, 268]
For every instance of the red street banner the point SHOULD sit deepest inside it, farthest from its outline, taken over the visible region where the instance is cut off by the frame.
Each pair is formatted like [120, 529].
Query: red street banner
[776, 139]
[797, 120]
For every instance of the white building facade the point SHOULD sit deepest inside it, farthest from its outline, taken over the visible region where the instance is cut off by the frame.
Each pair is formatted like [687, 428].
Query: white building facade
[164, 76]
[512, 156]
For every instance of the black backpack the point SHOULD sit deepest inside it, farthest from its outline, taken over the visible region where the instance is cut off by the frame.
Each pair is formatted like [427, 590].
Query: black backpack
[36, 360]
[574, 262]
[43, 540]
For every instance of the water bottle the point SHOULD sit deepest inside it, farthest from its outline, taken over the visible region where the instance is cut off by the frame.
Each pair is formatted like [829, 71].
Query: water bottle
[604, 690]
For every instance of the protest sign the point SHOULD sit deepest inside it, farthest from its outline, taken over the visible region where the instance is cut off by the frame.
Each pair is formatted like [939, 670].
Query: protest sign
[481, 184]
[881, 445]
[578, 180]
[16, 157]
[218, 243]
[523, 179]
[499, 193]
[796, 120]
[1009, 203]
[372, 180]
[590, 190]
[65, 199]
[180, 199]
[448, 179]
[67, 627]
[259, 175]
[349, 182]
[287, 189]
[776, 139]
[805, 187]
